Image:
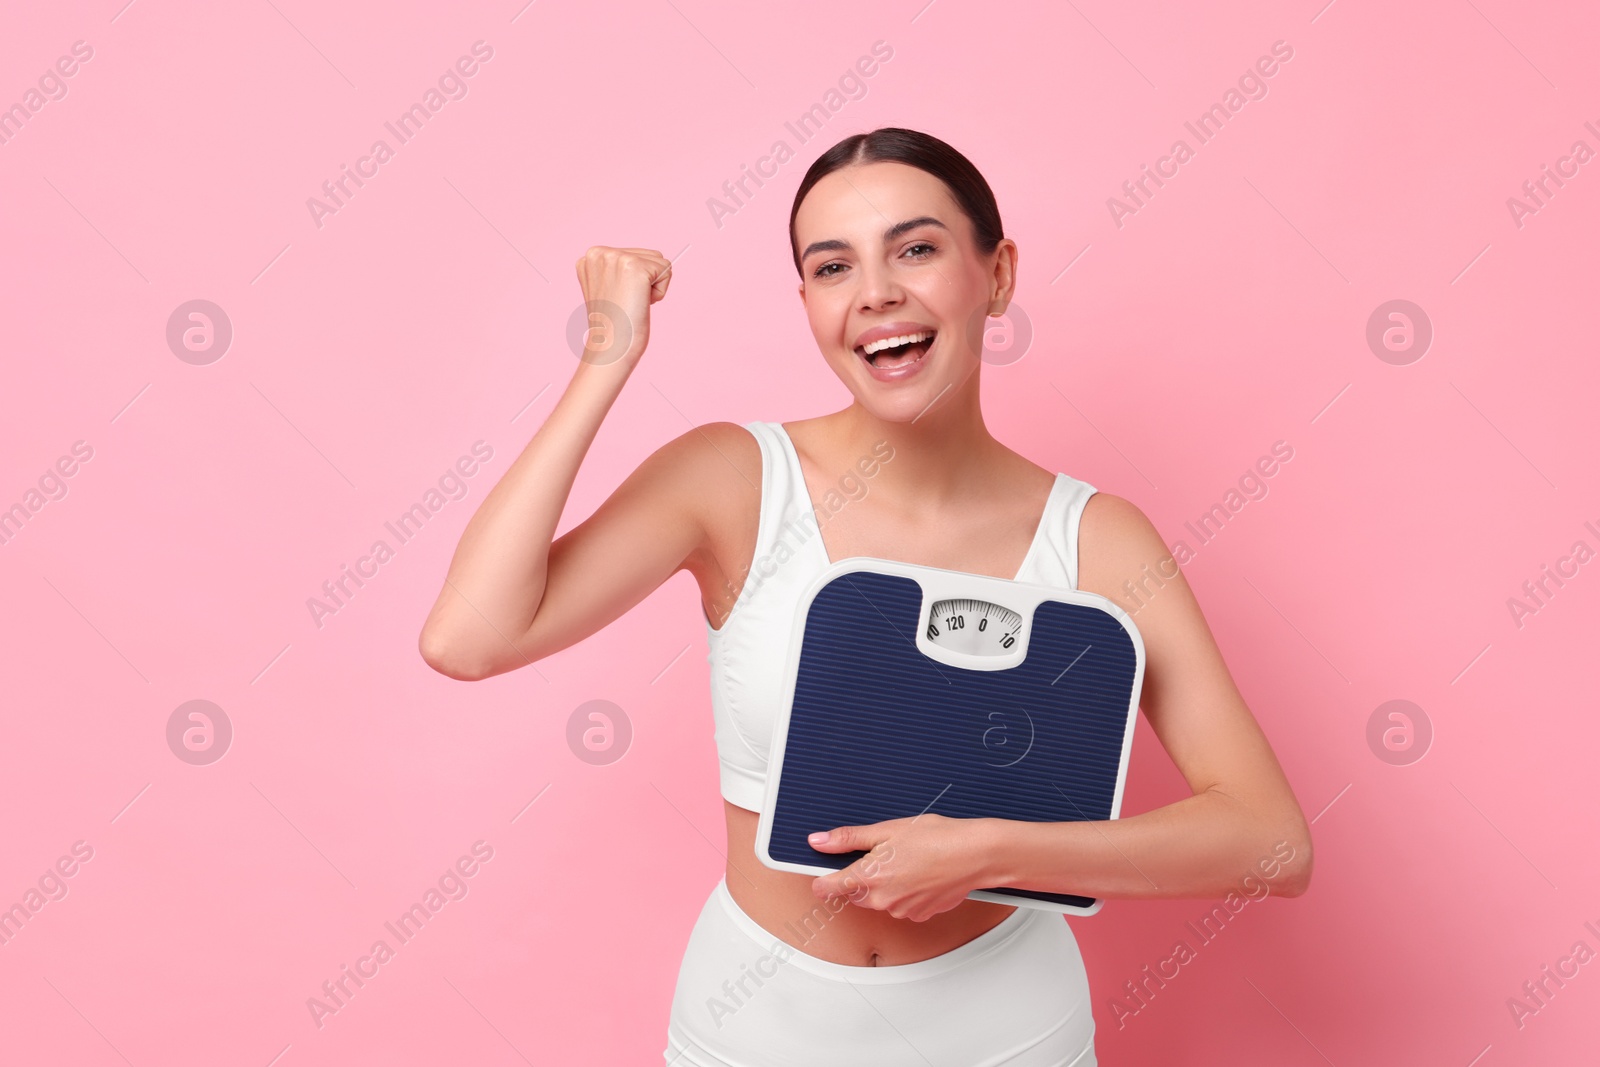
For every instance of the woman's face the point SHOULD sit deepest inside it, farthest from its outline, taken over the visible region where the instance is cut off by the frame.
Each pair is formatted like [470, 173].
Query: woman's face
[864, 269]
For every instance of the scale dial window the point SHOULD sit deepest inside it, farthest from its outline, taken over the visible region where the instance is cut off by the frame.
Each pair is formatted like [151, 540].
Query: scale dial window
[974, 627]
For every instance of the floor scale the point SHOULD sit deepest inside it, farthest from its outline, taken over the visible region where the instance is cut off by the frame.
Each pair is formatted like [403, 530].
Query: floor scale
[914, 689]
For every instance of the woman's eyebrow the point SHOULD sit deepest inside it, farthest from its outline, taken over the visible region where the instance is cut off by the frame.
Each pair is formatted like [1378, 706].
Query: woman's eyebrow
[837, 245]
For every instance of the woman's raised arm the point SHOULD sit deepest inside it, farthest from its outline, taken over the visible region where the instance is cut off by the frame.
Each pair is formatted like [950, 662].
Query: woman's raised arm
[512, 594]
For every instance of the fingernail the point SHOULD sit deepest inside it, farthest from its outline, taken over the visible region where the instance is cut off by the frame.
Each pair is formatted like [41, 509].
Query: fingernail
[819, 838]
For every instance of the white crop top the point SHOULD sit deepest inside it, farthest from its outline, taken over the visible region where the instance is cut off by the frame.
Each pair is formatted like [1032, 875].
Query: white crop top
[749, 653]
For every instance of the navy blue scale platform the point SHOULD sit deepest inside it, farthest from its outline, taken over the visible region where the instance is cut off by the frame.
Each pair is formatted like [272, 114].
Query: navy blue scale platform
[914, 689]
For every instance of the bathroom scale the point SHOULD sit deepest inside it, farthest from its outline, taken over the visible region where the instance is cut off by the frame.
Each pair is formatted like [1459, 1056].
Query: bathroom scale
[913, 689]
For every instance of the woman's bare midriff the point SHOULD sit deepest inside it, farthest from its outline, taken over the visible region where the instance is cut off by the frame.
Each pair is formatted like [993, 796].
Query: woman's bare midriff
[782, 903]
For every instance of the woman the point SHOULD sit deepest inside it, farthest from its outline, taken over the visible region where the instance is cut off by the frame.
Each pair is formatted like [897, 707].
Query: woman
[896, 237]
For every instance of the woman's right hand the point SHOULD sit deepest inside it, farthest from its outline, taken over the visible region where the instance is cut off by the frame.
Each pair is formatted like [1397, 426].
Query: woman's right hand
[619, 285]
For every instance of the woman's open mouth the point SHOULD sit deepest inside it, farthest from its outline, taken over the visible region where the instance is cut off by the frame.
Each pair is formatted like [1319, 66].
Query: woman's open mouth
[896, 357]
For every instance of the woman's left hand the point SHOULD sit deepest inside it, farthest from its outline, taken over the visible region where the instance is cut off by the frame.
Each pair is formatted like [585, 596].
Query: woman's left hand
[915, 868]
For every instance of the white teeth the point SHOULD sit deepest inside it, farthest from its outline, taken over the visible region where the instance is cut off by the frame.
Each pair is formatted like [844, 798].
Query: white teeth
[895, 342]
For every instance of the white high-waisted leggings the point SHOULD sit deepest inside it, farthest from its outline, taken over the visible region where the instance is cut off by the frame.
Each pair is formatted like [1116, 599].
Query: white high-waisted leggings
[1016, 995]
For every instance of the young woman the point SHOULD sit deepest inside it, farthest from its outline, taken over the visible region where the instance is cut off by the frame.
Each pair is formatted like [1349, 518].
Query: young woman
[895, 235]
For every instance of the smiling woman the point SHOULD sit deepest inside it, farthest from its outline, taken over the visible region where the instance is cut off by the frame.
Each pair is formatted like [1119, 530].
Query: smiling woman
[900, 253]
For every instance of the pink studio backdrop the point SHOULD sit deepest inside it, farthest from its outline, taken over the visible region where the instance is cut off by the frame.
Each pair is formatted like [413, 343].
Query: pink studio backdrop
[378, 341]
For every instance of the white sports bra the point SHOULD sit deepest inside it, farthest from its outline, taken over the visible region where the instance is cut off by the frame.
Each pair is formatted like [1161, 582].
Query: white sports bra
[749, 653]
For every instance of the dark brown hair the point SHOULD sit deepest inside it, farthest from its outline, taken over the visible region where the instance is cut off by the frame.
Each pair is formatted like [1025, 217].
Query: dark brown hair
[923, 151]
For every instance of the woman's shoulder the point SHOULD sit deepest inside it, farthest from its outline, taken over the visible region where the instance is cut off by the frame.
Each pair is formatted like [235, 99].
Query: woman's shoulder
[711, 472]
[1117, 543]
[715, 469]
[1110, 518]
[714, 457]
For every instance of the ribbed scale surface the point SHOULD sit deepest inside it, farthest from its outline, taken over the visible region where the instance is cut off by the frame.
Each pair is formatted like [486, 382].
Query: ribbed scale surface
[879, 731]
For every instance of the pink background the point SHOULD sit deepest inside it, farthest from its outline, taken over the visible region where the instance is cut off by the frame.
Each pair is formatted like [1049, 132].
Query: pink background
[369, 353]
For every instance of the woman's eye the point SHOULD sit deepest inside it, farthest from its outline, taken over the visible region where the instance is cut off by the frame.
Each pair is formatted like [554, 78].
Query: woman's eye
[824, 271]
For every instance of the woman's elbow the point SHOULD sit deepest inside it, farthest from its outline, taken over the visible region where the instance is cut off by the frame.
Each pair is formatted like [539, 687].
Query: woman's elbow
[446, 658]
[1296, 870]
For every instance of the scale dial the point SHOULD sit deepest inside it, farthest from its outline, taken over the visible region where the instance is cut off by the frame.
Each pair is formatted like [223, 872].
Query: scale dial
[973, 627]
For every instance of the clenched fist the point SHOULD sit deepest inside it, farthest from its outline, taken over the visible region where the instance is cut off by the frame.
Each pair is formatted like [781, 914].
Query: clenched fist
[619, 285]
